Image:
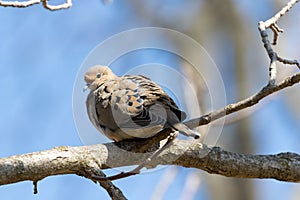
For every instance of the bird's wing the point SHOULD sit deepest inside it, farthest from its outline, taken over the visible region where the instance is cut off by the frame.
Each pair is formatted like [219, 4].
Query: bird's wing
[154, 97]
[129, 107]
[161, 105]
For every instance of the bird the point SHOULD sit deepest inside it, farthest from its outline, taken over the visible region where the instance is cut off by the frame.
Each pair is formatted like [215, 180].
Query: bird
[130, 106]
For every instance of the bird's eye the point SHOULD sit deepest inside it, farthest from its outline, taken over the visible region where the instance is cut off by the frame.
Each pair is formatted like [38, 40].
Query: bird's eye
[98, 75]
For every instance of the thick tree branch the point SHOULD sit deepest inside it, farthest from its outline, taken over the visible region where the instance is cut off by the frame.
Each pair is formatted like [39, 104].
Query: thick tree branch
[88, 160]
[60, 160]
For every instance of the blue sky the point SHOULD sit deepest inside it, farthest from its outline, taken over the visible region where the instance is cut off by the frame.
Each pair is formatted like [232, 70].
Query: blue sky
[41, 53]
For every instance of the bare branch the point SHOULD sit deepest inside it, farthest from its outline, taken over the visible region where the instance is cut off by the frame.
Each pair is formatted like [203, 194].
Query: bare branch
[87, 160]
[276, 30]
[290, 62]
[271, 23]
[66, 5]
[61, 160]
[114, 192]
[23, 4]
[281, 13]
[19, 4]
[250, 101]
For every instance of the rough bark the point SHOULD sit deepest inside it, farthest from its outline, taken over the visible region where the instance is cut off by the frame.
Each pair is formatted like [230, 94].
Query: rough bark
[88, 160]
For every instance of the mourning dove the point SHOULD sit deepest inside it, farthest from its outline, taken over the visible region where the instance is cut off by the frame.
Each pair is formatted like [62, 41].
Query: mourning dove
[128, 106]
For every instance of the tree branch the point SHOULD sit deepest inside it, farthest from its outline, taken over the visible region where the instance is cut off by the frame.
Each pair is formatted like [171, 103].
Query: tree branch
[248, 102]
[88, 160]
[271, 23]
[114, 192]
[19, 4]
[60, 160]
[23, 4]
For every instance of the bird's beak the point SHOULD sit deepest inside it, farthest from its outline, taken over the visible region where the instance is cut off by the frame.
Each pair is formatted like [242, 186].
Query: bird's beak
[86, 87]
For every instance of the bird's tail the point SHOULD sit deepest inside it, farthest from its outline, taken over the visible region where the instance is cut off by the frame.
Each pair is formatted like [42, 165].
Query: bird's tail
[186, 130]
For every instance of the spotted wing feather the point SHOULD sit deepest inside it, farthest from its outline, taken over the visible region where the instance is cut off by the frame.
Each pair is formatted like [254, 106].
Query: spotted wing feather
[127, 105]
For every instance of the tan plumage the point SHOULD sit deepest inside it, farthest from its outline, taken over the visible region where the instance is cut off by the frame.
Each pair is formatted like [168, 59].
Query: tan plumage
[129, 106]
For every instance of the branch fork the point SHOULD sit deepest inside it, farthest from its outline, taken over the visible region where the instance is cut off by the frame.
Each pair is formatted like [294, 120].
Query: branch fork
[272, 24]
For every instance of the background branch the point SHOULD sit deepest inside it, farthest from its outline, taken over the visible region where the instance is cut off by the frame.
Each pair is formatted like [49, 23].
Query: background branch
[271, 23]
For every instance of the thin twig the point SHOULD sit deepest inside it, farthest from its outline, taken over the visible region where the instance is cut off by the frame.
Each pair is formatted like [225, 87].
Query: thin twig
[276, 30]
[19, 4]
[66, 5]
[23, 4]
[35, 187]
[114, 192]
[289, 62]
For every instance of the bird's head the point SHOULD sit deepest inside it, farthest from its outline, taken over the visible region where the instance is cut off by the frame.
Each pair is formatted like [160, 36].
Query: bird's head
[96, 75]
